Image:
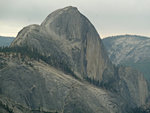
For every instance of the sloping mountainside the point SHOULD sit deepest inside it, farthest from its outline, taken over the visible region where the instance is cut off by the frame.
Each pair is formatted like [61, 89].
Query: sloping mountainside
[69, 34]
[62, 66]
[9, 106]
[5, 41]
[130, 50]
[38, 85]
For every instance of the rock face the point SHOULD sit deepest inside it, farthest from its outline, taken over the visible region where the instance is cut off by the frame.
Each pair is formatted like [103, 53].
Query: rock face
[38, 85]
[68, 35]
[135, 84]
[9, 106]
[130, 50]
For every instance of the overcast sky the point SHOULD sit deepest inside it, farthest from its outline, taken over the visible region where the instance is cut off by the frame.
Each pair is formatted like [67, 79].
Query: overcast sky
[110, 17]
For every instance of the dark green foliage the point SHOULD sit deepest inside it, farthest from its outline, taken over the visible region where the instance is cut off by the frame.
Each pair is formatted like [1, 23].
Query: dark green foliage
[56, 60]
[140, 110]
[92, 81]
[101, 84]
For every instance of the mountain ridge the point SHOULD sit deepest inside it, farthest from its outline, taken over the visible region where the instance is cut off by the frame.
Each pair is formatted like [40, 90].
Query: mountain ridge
[127, 35]
[65, 40]
[129, 50]
[5, 40]
[71, 34]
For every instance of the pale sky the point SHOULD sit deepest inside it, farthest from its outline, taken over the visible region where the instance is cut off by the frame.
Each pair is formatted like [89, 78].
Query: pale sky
[110, 17]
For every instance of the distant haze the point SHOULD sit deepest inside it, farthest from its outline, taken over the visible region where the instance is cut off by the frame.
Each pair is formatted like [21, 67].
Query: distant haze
[110, 17]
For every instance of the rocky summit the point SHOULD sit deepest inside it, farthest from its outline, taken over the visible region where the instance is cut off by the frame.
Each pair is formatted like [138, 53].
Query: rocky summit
[66, 32]
[62, 66]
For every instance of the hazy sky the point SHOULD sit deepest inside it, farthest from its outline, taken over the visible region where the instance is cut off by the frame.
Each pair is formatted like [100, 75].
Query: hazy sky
[110, 17]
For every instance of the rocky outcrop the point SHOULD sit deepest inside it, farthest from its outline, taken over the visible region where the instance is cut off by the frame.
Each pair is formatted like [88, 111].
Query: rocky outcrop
[69, 34]
[38, 85]
[9, 106]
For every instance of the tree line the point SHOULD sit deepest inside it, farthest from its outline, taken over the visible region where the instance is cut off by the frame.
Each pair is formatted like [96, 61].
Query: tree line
[56, 60]
[101, 84]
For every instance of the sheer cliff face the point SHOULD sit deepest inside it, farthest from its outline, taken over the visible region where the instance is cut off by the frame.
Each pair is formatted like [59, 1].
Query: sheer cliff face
[135, 83]
[68, 33]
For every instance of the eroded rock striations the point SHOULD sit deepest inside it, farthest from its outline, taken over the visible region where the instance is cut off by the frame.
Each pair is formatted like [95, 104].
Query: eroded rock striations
[68, 35]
